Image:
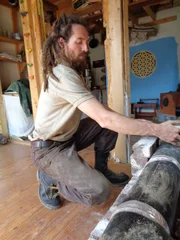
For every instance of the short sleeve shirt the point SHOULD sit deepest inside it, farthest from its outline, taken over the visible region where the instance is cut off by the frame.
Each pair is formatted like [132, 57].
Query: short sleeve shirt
[57, 115]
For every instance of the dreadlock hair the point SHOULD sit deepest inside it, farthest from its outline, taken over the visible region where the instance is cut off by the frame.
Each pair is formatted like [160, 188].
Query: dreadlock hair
[52, 52]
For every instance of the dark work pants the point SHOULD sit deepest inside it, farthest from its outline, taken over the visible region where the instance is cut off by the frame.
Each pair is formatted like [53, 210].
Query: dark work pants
[76, 180]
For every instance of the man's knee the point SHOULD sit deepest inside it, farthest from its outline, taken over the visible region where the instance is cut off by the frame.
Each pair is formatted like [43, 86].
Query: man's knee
[101, 193]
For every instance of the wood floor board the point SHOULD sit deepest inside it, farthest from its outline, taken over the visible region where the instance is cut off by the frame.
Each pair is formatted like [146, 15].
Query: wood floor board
[22, 216]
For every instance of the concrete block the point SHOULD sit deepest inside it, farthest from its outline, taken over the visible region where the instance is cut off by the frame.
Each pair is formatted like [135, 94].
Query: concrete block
[142, 151]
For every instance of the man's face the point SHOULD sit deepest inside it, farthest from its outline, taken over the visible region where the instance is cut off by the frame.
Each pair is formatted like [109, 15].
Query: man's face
[76, 49]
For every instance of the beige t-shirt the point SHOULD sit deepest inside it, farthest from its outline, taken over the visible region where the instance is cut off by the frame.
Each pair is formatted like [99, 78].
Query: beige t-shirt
[57, 115]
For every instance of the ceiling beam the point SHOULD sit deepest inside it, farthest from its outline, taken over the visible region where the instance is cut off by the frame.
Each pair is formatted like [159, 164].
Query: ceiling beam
[63, 4]
[165, 6]
[89, 9]
[65, 7]
[133, 18]
[50, 5]
[94, 1]
[150, 12]
[143, 3]
[57, 1]
[160, 21]
[158, 9]
[176, 3]
[94, 16]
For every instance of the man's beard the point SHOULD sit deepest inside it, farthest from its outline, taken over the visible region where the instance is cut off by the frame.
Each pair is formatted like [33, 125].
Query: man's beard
[79, 66]
[76, 64]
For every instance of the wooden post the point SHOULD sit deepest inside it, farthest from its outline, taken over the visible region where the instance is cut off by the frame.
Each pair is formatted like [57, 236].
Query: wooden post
[3, 119]
[126, 61]
[117, 62]
[34, 35]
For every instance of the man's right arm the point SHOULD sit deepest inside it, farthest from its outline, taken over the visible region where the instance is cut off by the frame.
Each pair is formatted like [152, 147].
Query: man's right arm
[124, 125]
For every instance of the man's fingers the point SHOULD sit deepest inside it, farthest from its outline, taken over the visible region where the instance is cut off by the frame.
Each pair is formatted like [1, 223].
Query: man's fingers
[174, 122]
[178, 127]
[178, 137]
[176, 140]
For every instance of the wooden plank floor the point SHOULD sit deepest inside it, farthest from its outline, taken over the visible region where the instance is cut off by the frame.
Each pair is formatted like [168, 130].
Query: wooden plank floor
[22, 217]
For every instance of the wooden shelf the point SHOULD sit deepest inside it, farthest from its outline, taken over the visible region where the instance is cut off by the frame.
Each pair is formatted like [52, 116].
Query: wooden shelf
[10, 40]
[9, 60]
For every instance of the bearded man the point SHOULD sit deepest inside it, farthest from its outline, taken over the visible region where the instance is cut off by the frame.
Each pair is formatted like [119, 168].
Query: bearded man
[60, 133]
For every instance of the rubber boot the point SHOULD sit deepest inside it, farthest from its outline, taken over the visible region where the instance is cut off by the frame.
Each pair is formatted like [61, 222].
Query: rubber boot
[117, 179]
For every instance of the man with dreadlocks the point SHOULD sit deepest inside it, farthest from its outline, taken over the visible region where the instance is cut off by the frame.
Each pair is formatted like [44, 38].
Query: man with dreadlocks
[60, 133]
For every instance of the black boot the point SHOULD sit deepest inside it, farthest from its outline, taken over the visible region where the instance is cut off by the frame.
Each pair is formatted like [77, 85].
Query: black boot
[117, 179]
[48, 192]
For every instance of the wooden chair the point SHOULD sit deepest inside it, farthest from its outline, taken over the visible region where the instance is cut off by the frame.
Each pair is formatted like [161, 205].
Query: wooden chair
[139, 108]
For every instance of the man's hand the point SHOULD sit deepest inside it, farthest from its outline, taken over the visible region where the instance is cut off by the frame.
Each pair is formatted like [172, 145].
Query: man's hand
[168, 132]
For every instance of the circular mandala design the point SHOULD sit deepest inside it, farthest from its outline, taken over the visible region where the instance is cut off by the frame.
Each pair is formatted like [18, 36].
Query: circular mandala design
[143, 64]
